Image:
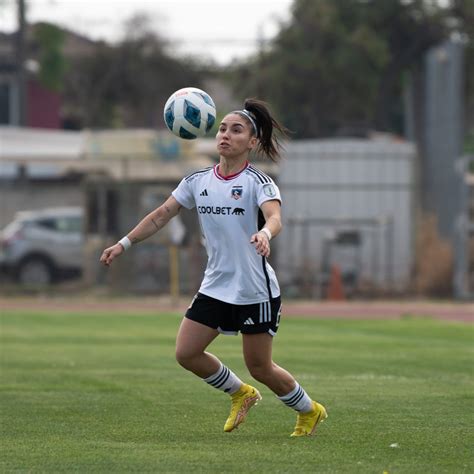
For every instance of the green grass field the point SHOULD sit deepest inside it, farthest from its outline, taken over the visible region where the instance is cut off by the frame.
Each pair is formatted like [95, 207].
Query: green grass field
[103, 393]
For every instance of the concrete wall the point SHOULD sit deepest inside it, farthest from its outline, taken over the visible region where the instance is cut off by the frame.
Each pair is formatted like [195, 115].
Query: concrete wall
[20, 195]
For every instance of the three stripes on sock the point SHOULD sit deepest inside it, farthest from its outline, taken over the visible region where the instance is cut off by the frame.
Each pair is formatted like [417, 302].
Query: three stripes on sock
[224, 379]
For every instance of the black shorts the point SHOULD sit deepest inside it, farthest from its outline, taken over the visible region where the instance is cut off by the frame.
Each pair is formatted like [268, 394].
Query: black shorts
[230, 318]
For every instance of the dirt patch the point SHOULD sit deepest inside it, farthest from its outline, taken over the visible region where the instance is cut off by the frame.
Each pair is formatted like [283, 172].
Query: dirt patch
[350, 310]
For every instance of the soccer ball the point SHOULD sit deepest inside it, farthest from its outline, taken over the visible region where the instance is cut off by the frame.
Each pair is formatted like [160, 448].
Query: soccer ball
[189, 113]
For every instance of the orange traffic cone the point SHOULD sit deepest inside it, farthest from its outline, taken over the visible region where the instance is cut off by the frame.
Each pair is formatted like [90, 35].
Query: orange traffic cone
[335, 290]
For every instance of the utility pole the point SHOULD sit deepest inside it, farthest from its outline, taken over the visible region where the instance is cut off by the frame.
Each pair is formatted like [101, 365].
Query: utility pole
[20, 63]
[260, 60]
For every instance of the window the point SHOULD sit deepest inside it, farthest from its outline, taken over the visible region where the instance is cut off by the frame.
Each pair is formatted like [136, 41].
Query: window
[65, 224]
[47, 223]
[69, 224]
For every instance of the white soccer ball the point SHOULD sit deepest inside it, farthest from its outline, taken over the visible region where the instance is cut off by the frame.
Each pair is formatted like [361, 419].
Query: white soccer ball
[189, 113]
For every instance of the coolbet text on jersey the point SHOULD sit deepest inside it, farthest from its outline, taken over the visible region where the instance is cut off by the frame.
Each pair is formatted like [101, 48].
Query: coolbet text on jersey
[228, 211]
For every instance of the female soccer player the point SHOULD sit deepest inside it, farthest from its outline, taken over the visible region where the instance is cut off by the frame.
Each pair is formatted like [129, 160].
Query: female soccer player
[239, 291]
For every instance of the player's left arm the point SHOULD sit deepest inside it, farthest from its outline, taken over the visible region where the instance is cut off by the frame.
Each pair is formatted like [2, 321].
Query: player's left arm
[272, 213]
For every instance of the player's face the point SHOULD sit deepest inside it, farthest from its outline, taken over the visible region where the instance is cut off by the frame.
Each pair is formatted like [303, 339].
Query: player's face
[235, 137]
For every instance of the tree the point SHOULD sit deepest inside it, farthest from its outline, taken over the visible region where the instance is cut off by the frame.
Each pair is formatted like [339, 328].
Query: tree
[89, 96]
[52, 64]
[463, 12]
[127, 84]
[337, 66]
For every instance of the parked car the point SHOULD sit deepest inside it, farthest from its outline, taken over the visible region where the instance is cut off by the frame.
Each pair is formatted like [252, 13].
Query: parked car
[40, 247]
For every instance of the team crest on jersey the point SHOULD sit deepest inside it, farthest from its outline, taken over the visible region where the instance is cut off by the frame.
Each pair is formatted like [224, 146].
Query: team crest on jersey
[236, 192]
[269, 190]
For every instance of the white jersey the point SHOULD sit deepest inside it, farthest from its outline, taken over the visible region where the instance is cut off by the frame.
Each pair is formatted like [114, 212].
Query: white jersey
[228, 211]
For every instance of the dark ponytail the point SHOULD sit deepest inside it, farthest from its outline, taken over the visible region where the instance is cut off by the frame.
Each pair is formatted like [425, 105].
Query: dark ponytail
[269, 131]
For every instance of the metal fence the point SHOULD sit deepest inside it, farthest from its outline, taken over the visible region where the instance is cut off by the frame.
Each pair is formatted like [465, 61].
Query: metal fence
[350, 204]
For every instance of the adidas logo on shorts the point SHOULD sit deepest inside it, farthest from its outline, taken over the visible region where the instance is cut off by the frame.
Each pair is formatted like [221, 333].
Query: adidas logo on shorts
[249, 322]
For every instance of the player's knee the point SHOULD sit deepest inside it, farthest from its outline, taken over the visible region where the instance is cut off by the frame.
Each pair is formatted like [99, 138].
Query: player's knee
[184, 357]
[260, 372]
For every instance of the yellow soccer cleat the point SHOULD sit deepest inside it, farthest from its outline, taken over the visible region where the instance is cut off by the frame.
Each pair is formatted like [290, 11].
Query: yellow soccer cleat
[306, 422]
[242, 400]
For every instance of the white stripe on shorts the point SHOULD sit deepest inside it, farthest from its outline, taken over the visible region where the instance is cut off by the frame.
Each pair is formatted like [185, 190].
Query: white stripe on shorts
[265, 315]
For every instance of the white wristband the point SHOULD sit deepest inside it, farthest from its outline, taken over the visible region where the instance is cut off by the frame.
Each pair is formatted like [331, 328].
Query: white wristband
[266, 232]
[125, 243]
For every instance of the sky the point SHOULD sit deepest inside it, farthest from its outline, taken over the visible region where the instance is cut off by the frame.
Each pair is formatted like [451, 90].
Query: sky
[221, 30]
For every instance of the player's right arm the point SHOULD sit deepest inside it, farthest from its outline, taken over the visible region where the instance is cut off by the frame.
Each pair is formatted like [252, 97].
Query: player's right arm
[148, 226]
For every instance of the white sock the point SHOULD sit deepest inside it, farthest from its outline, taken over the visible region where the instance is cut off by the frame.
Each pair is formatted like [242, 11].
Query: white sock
[298, 399]
[224, 379]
